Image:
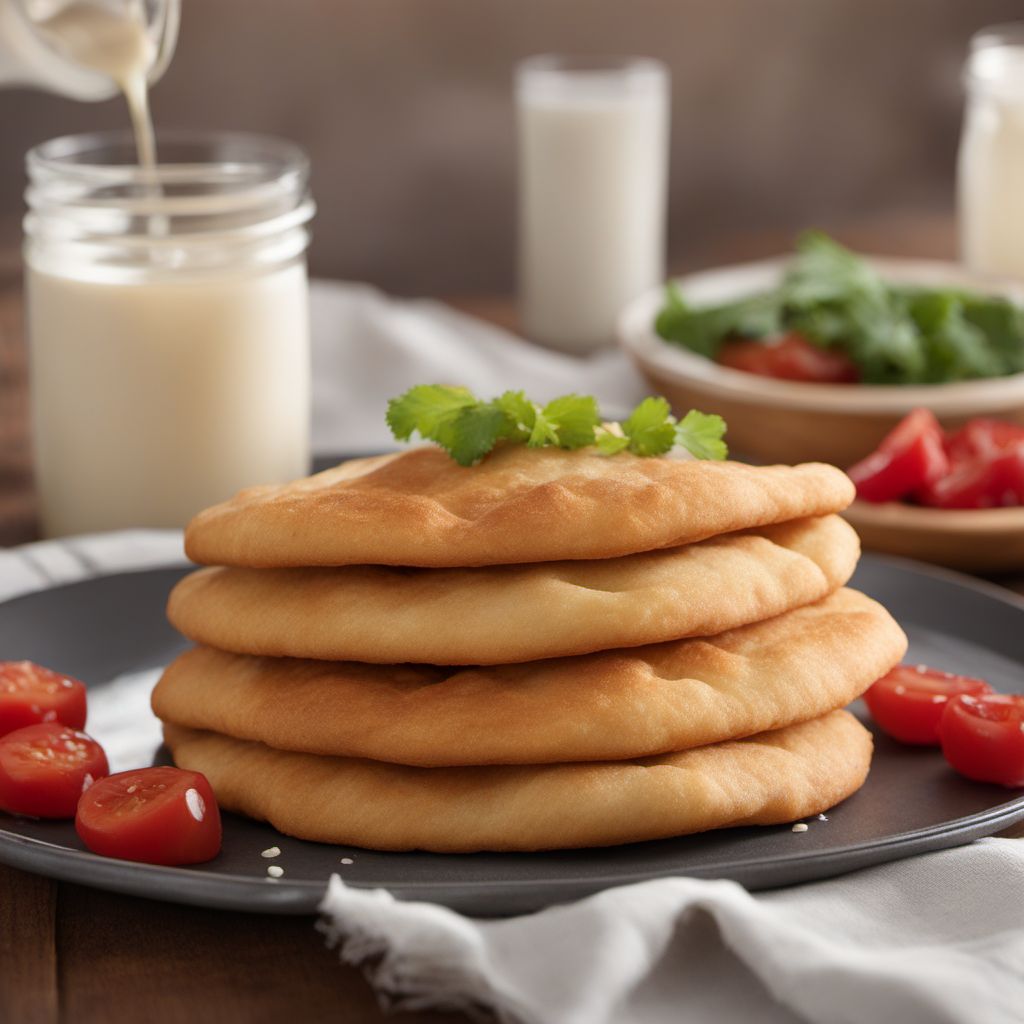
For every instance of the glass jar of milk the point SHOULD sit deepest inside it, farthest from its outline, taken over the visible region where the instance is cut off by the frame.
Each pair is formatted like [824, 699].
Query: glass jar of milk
[168, 325]
[991, 161]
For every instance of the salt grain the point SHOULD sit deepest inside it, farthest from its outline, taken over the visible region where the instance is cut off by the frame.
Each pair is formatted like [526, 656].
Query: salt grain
[347, 860]
[274, 871]
[822, 817]
[274, 851]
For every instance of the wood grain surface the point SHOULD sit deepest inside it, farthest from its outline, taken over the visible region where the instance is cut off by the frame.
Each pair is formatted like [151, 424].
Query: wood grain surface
[73, 955]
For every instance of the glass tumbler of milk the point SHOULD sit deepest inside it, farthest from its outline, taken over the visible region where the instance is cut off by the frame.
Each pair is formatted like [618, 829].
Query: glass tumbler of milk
[593, 174]
[990, 176]
[168, 325]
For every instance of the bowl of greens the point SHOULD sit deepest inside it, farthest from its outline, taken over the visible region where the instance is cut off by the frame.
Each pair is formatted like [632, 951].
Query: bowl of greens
[819, 354]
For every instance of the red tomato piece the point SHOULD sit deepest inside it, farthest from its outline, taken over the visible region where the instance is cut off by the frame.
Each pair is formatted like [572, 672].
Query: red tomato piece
[45, 768]
[153, 815]
[789, 357]
[30, 693]
[983, 438]
[983, 737]
[907, 702]
[991, 481]
[910, 457]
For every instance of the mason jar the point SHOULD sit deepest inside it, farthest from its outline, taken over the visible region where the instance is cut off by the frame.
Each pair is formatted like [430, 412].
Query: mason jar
[990, 174]
[168, 325]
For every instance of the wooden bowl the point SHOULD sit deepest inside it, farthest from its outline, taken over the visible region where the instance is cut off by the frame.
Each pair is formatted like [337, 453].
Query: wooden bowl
[787, 421]
[989, 540]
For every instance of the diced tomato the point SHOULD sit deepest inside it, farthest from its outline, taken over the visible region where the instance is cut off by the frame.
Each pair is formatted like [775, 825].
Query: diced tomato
[983, 737]
[983, 438]
[982, 482]
[30, 693]
[907, 702]
[789, 357]
[153, 815]
[45, 768]
[910, 457]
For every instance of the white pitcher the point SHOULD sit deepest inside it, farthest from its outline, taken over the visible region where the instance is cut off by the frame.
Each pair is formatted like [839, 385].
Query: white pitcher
[33, 52]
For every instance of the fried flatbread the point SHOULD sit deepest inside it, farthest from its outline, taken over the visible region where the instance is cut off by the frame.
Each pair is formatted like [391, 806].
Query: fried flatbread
[420, 508]
[770, 778]
[609, 706]
[501, 614]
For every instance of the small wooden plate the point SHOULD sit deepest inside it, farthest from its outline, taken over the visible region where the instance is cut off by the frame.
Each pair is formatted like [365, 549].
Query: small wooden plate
[989, 540]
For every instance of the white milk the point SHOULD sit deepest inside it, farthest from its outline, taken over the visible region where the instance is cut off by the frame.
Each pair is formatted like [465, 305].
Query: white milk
[154, 400]
[113, 41]
[593, 161]
[991, 160]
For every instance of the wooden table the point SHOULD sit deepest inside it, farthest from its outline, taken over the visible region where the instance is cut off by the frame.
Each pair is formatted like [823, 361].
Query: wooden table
[72, 954]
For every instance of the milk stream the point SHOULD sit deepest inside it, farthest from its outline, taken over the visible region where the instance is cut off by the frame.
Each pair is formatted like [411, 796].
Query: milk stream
[113, 42]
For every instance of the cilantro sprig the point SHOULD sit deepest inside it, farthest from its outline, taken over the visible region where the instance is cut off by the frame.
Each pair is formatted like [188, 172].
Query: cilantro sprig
[468, 427]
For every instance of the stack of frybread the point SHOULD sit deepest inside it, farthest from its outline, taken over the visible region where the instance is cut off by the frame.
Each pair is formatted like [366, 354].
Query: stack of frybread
[550, 649]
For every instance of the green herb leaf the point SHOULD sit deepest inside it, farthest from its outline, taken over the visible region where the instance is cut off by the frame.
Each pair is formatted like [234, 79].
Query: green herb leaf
[611, 444]
[575, 419]
[471, 433]
[701, 434]
[425, 408]
[520, 414]
[651, 428]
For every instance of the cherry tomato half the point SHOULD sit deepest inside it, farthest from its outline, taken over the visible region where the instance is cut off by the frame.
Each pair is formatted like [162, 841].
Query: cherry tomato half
[983, 438]
[153, 815]
[983, 737]
[789, 357]
[995, 480]
[910, 457]
[45, 768]
[30, 693]
[907, 702]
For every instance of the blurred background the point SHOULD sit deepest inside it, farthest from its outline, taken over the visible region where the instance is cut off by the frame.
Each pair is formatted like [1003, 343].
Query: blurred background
[839, 113]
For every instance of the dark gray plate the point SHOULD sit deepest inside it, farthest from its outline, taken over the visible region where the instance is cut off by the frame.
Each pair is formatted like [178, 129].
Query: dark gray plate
[103, 628]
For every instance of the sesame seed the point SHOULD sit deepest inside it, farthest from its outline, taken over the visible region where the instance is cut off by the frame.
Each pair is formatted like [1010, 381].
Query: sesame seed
[273, 851]
[274, 871]
[822, 817]
[347, 860]
[195, 803]
[799, 827]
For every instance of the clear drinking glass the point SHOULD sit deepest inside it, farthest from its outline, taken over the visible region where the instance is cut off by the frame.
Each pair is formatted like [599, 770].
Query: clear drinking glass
[168, 325]
[593, 180]
[990, 172]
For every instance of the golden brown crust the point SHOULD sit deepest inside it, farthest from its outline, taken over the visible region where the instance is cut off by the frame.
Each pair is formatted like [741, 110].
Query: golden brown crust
[767, 779]
[503, 614]
[420, 508]
[608, 706]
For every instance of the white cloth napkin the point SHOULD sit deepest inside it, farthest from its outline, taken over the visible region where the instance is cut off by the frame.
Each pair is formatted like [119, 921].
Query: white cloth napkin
[938, 938]
[368, 348]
